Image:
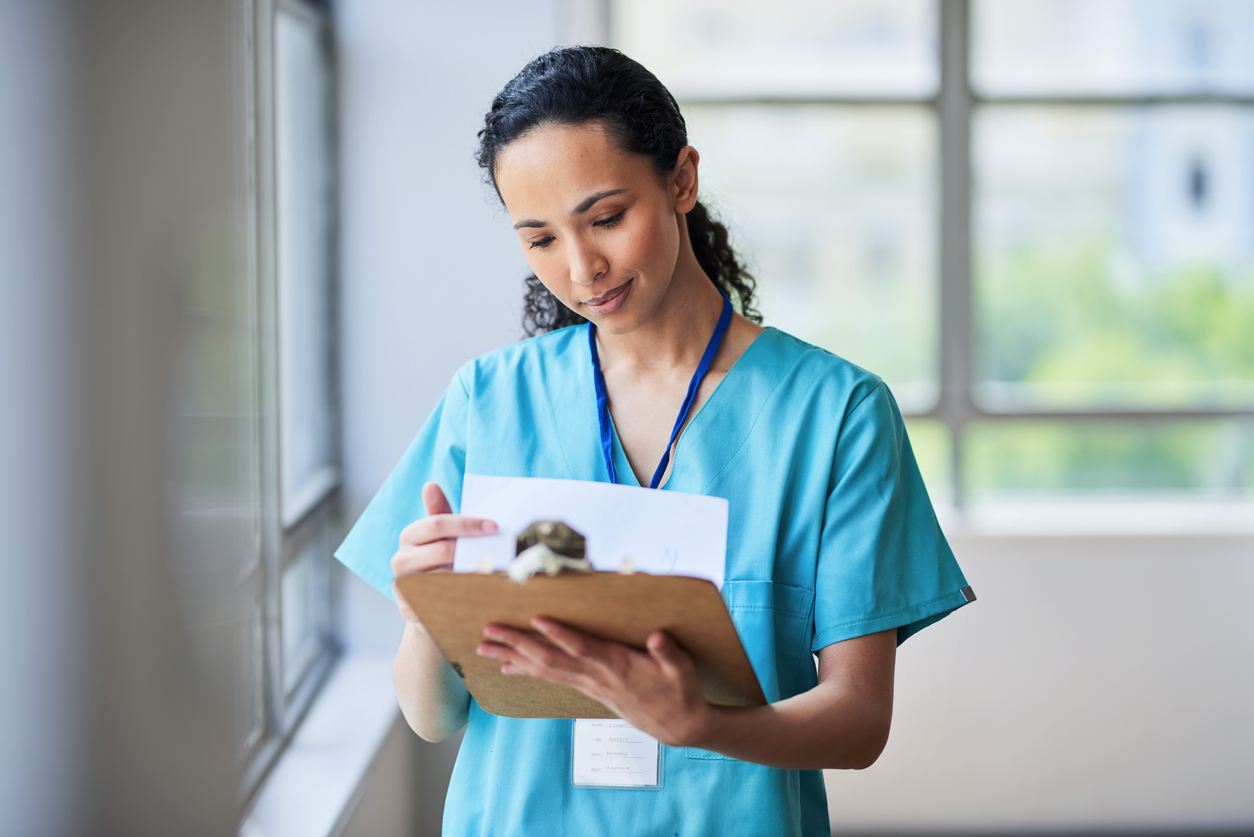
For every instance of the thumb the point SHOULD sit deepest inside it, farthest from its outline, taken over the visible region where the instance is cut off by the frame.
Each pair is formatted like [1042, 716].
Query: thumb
[433, 498]
[668, 654]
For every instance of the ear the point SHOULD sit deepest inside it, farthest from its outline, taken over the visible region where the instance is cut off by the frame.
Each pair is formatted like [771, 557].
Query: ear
[684, 180]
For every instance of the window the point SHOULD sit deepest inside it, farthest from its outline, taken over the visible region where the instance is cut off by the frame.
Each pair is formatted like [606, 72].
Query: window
[288, 643]
[1031, 217]
[1112, 246]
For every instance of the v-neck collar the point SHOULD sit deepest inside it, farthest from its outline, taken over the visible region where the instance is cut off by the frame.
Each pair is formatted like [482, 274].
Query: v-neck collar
[581, 440]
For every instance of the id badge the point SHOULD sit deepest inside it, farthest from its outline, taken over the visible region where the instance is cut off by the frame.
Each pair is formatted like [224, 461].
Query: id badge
[609, 753]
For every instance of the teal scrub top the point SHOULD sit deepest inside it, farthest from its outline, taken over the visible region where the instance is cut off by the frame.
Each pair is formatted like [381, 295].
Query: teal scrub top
[830, 536]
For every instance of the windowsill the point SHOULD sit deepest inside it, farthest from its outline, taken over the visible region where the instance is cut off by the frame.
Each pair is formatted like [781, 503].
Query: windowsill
[314, 490]
[318, 780]
[1105, 517]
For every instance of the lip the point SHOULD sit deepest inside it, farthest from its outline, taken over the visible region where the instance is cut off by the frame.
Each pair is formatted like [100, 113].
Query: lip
[610, 301]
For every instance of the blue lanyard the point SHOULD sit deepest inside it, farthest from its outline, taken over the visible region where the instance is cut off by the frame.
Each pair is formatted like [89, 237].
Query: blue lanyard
[603, 401]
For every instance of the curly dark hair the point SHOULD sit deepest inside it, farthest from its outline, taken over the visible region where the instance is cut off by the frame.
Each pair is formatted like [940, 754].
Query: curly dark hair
[582, 84]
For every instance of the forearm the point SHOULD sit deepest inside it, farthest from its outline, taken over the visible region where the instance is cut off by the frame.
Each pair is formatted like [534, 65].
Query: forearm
[432, 697]
[834, 725]
[841, 723]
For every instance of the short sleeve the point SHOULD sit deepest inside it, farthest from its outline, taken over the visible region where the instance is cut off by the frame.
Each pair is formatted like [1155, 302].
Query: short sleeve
[883, 560]
[437, 454]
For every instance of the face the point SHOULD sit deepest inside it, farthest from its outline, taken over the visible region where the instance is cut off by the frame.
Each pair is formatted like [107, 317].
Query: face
[597, 225]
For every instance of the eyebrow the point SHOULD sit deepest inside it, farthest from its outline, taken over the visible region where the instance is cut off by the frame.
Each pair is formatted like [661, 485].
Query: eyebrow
[583, 207]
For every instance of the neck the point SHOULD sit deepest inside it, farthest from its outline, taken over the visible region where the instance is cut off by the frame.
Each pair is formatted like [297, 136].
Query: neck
[676, 335]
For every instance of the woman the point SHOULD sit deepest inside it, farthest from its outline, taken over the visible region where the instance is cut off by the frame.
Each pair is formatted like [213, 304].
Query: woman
[833, 547]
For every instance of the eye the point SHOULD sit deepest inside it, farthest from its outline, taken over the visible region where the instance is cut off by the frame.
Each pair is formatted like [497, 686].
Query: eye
[542, 242]
[607, 223]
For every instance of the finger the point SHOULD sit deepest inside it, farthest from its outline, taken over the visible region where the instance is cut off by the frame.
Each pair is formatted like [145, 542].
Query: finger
[425, 558]
[514, 662]
[497, 651]
[410, 559]
[531, 649]
[437, 504]
[669, 656]
[441, 526]
[435, 501]
[508, 657]
[575, 643]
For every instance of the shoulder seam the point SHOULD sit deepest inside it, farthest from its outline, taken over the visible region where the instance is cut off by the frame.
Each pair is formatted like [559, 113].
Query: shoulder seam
[840, 436]
[878, 385]
[458, 377]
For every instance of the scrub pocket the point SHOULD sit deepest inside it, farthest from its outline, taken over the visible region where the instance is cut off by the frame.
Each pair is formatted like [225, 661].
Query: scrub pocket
[774, 622]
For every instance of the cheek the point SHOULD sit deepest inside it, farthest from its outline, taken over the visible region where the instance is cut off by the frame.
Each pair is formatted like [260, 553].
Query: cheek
[547, 271]
[651, 248]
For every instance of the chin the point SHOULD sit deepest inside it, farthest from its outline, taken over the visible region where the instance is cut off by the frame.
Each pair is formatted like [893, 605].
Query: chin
[636, 310]
[616, 323]
[623, 321]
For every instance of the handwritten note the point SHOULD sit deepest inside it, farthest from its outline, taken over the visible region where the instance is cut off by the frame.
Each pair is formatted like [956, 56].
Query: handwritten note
[662, 532]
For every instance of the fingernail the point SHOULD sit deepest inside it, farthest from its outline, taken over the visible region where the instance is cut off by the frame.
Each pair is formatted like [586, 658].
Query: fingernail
[483, 651]
[489, 528]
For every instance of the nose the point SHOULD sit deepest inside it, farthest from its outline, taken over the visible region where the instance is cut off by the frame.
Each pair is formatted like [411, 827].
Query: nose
[587, 264]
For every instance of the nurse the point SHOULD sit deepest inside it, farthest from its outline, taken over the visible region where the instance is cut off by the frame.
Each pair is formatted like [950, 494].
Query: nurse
[651, 368]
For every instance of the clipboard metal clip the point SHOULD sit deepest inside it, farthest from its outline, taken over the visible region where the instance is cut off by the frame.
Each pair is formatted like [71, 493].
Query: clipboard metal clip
[549, 547]
[541, 559]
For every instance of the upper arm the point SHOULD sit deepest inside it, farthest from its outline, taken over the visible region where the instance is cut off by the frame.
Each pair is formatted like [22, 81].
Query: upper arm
[438, 453]
[883, 561]
[863, 666]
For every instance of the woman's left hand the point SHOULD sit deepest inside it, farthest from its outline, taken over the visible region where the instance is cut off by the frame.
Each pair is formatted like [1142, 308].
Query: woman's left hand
[657, 691]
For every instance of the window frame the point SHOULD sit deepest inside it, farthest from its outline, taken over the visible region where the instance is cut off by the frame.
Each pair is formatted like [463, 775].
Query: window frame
[319, 517]
[954, 105]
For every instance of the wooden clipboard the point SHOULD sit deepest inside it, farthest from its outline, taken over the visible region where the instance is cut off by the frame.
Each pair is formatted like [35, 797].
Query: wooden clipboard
[455, 607]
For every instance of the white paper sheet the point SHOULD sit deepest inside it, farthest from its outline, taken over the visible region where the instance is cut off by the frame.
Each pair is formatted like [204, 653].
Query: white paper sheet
[663, 532]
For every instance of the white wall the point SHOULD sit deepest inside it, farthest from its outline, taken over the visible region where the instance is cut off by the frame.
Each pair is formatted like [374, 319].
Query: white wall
[1096, 683]
[431, 276]
[431, 272]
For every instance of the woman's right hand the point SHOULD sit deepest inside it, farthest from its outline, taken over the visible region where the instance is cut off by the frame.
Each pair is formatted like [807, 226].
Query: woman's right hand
[431, 695]
[427, 544]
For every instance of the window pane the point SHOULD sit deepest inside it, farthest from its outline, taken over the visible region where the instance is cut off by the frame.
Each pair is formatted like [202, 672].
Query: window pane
[709, 49]
[214, 438]
[214, 459]
[1112, 47]
[1114, 256]
[303, 179]
[835, 210]
[1005, 457]
[250, 701]
[305, 605]
[932, 446]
